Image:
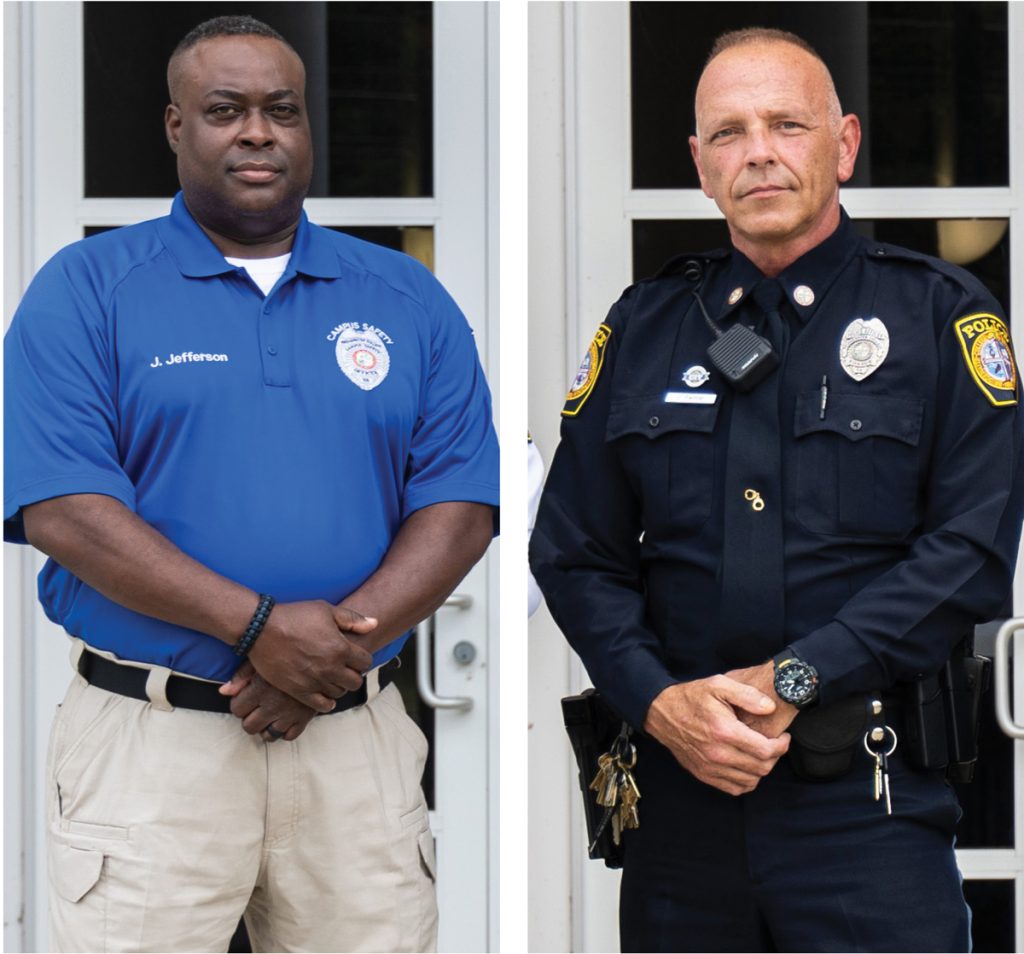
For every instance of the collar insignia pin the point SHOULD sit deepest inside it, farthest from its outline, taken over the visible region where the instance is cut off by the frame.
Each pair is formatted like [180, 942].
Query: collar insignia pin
[735, 295]
[803, 295]
[696, 376]
[863, 348]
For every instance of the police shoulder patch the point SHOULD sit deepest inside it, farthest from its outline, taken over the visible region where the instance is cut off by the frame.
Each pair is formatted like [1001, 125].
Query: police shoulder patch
[586, 377]
[985, 342]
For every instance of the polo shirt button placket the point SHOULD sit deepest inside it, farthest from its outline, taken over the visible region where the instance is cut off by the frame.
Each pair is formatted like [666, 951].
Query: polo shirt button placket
[273, 373]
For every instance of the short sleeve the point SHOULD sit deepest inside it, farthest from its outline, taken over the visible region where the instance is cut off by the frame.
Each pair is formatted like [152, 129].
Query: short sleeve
[454, 450]
[60, 386]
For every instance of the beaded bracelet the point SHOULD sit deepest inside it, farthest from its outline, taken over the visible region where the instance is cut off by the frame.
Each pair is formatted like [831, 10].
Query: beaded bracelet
[256, 624]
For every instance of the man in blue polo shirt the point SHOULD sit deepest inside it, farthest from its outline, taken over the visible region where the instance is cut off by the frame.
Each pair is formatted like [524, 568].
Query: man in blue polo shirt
[257, 453]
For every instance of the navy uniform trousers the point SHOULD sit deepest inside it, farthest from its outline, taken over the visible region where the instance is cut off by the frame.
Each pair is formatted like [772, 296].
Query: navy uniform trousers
[810, 866]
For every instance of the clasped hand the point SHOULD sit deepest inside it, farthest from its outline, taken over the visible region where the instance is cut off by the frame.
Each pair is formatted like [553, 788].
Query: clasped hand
[304, 661]
[727, 730]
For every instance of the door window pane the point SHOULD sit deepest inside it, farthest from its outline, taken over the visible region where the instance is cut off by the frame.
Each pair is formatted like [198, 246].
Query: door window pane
[928, 80]
[414, 240]
[992, 925]
[368, 87]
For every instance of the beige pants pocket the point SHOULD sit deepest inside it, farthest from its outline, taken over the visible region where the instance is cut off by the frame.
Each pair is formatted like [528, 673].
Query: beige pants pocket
[78, 903]
[75, 871]
[427, 857]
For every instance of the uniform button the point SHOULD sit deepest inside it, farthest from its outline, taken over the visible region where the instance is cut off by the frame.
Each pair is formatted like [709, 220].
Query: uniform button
[879, 251]
[855, 425]
[654, 422]
[273, 351]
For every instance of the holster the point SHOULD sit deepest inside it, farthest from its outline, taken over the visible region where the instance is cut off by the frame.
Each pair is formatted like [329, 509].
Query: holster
[943, 712]
[592, 726]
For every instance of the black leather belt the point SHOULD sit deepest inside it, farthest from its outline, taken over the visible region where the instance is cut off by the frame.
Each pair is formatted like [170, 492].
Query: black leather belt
[186, 693]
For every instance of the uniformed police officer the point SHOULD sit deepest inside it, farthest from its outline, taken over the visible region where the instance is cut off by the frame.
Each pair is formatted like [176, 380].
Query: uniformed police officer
[207, 413]
[802, 499]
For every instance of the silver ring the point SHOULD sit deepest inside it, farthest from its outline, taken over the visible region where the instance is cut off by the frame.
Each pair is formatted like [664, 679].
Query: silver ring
[273, 733]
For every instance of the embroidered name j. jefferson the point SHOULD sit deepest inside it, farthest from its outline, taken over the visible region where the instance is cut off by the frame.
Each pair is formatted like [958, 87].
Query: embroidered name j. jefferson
[187, 357]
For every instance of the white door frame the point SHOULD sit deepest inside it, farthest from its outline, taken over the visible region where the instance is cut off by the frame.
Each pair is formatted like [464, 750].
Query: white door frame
[601, 206]
[44, 176]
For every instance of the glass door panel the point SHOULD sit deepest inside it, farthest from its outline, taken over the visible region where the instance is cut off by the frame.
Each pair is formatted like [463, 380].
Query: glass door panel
[369, 93]
[928, 80]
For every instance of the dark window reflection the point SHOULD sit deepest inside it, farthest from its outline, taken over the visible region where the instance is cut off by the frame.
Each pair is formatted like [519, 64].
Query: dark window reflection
[987, 801]
[993, 926]
[369, 93]
[928, 80]
[414, 240]
[982, 246]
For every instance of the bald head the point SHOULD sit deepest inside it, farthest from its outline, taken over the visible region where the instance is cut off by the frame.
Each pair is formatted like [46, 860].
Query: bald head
[752, 39]
[772, 145]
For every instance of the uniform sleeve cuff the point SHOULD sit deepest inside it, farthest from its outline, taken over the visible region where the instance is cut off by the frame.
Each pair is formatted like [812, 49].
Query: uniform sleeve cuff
[642, 679]
[844, 664]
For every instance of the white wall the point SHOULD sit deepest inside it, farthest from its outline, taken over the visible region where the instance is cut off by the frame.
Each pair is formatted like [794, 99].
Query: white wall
[573, 902]
[551, 785]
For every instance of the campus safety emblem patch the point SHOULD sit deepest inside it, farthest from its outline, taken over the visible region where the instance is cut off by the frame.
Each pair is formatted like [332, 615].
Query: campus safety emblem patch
[985, 342]
[362, 354]
[586, 377]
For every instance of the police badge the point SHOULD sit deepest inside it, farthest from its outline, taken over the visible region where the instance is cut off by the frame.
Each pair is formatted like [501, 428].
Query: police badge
[363, 357]
[863, 347]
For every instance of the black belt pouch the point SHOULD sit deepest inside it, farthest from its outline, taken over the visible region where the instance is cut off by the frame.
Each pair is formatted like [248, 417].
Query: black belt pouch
[592, 726]
[826, 739]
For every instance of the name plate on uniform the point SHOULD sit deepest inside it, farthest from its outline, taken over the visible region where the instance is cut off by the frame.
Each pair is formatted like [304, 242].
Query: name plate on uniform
[690, 397]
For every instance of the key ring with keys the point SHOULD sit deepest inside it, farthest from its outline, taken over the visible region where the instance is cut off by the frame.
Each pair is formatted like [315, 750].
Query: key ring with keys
[880, 732]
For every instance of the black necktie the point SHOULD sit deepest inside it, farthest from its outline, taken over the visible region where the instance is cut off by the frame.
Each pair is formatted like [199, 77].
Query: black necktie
[752, 610]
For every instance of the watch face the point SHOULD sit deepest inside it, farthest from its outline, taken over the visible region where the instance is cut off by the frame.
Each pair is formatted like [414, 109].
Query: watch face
[796, 682]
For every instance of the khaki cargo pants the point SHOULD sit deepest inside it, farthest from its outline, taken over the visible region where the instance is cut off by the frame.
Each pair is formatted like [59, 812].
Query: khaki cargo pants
[165, 826]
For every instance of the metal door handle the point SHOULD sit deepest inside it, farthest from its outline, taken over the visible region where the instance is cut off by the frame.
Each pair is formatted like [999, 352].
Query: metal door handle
[424, 654]
[1004, 709]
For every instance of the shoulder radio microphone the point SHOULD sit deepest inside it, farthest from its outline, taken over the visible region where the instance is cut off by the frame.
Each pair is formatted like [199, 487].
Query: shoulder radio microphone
[743, 357]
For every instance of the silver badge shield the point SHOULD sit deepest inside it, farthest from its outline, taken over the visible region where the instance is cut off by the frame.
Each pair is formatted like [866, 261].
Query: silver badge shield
[864, 347]
[363, 357]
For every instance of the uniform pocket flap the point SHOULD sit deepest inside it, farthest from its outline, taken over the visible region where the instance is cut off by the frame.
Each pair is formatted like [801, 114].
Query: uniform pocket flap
[856, 416]
[654, 416]
[75, 870]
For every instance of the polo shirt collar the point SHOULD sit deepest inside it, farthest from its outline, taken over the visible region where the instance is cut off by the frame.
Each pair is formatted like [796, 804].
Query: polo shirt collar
[195, 254]
[805, 282]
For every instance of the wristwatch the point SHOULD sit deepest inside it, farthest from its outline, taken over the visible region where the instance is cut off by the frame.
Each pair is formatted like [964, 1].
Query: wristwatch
[796, 681]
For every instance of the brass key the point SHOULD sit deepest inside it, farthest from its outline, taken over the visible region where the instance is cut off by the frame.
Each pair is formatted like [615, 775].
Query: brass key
[617, 791]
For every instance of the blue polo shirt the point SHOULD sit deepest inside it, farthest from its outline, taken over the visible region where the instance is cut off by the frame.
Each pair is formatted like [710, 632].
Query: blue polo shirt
[278, 440]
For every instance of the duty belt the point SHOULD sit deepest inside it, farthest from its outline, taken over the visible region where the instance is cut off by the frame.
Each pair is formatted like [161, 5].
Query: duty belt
[186, 693]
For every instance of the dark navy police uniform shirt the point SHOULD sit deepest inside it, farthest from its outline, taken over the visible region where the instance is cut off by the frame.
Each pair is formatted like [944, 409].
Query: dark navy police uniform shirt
[278, 440]
[901, 506]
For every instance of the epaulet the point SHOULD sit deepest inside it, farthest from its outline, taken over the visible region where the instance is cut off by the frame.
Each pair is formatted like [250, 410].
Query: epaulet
[677, 264]
[983, 336]
[882, 252]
